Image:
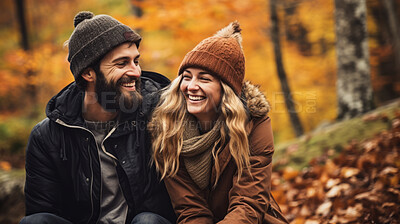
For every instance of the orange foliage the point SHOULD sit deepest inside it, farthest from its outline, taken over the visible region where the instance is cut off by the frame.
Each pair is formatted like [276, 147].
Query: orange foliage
[4, 165]
[182, 24]
[44, 67]
[171, 28]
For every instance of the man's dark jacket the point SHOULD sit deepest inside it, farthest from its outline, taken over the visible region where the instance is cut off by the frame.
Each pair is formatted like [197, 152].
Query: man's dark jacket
[62, 161]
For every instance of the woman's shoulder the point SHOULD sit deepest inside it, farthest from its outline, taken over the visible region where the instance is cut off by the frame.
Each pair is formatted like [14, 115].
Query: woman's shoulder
[260, 136]
[257, 106]
[255, 123]
[255, 100]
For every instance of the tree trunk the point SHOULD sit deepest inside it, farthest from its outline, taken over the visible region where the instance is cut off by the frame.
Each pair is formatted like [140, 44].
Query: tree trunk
[298, 128]
[394, 26]
[30, 88]
[136, 8]
[20, 6]
[354, 90]
[137, 11]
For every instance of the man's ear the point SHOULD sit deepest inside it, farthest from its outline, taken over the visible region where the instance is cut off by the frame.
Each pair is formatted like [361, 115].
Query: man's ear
[89, 75]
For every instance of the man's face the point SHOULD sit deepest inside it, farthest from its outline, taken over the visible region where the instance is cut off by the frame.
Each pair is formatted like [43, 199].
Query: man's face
[117, 82]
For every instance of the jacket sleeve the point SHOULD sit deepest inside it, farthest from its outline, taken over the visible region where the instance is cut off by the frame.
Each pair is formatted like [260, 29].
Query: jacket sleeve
[188, 200]
[41, 185]
[250, 198]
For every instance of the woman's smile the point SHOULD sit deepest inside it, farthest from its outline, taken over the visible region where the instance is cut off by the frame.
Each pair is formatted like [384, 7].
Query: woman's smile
[196, 98]
[202, 92]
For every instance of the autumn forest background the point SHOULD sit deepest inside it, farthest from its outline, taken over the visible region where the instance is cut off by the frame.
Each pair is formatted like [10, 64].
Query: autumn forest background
[33, 67]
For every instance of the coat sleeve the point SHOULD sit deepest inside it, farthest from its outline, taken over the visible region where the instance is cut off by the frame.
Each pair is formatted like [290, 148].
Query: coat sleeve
[250, 198]
[41, 185]
[188, 200]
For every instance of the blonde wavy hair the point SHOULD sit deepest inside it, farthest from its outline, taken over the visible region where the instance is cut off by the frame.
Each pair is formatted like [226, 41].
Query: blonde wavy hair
[167, 127]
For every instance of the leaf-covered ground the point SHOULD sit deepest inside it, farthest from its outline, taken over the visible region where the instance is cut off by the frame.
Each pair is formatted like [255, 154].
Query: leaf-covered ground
[342, 181]
[360, 185]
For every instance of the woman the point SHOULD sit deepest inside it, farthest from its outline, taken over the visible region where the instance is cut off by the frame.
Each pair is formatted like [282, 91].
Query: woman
[212, 138]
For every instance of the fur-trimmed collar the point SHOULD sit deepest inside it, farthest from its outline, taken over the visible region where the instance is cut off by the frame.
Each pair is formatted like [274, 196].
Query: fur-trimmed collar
[256, 101]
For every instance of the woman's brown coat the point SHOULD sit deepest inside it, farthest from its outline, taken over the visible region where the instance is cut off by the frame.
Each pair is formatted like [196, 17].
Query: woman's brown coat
[248, 200]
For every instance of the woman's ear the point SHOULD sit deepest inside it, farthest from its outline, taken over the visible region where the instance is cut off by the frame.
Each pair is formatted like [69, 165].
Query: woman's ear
[89, 75]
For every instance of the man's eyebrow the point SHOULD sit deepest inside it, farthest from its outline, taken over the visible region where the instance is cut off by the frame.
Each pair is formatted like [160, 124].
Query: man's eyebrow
[124, 58]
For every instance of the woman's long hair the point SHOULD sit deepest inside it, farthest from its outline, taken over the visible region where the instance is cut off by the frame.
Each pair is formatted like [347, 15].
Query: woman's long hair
[168, 122]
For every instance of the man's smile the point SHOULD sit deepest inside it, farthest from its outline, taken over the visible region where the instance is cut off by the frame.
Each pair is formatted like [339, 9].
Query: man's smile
[130, 86]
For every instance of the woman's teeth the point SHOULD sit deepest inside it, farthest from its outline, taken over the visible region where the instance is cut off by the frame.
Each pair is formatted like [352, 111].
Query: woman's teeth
[196, 98]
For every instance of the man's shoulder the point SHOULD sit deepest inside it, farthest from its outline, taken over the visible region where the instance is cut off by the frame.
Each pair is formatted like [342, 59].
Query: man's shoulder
[42, 125]
[39, 134]
[156, 78]
[45, 129]
[152, 83]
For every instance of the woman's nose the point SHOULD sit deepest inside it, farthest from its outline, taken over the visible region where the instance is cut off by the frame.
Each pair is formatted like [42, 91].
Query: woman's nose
[193, 85]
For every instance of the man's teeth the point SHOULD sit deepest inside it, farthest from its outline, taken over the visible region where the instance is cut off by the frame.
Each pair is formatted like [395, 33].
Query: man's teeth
[196, 98]
[131, 84]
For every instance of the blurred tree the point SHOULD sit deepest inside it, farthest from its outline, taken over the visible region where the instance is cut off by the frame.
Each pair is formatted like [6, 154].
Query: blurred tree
[354, 90]
[30, 88]
[294, 118]
[295, 30]
[171, 28]
[20, 6]
[385, 84]
[394, 25]
[137, 8]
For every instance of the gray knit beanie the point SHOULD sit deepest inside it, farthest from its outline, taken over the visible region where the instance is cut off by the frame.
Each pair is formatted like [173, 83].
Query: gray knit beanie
[93, 37]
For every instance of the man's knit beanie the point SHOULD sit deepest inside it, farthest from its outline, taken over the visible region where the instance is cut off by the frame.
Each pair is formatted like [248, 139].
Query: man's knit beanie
[93, 37]
[222, 55]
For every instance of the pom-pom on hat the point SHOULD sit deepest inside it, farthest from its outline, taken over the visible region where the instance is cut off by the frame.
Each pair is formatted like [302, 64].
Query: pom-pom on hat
[93, 37]
[222, 55]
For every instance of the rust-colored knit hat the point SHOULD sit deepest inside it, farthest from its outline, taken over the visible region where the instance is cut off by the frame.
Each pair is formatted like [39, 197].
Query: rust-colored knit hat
[222, 55]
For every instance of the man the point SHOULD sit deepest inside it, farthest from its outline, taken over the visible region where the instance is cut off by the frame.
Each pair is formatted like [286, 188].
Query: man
[89, 160]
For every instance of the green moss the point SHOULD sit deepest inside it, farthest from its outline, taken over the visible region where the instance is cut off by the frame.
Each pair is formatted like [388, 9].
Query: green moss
[299, 152]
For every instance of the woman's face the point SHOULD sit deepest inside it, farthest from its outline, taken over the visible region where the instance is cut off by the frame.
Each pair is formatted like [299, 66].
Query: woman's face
[202, 93]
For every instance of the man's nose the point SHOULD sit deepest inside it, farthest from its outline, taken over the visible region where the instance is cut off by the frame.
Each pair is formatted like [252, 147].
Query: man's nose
[134, 69]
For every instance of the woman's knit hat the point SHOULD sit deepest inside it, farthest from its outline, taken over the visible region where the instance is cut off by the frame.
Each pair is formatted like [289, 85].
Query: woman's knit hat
[93, 37]
[222, 55]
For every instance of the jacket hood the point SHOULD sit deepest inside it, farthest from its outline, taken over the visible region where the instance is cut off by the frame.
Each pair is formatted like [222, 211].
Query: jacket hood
[257, 104]
[67, 104]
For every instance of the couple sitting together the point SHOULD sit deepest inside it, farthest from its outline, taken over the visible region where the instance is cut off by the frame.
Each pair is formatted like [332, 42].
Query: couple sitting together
[122, 145]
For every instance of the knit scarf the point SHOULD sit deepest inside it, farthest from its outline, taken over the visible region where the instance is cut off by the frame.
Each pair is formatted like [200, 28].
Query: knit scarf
[197, 151]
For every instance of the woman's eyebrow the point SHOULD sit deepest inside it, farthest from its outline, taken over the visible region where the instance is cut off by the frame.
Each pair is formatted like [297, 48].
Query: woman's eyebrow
[187, 71]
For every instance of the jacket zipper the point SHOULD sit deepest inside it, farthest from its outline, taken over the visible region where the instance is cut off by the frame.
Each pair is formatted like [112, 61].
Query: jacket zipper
[109, 154]
[91, 165]
[102, 143]
[90, 158]
[91, 183]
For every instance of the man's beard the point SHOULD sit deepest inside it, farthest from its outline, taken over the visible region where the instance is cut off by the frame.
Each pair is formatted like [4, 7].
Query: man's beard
[111, 98]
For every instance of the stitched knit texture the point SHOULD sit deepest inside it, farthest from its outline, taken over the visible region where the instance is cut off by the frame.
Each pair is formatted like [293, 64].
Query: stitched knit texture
[197, 151]
[93, 37]
[222, 55]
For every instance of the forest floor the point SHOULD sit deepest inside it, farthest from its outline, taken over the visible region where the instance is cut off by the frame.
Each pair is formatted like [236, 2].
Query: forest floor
[331, 138]
[344, 172]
